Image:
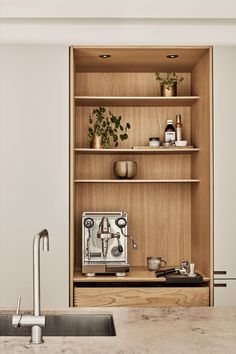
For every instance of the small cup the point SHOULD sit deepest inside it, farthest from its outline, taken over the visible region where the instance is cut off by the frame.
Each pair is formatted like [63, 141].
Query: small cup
[154, 263]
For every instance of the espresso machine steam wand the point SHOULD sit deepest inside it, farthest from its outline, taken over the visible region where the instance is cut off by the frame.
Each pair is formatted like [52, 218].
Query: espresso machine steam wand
[121, 223]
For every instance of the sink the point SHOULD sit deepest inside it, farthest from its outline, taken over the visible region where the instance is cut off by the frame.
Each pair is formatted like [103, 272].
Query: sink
[64, 325]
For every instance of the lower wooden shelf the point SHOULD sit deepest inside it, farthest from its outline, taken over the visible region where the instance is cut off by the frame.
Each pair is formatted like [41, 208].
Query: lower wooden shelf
[136, 274]
[137, 181]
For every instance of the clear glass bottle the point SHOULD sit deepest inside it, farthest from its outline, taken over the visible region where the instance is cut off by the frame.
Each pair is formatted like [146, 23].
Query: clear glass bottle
[170, 134]
[179, 128]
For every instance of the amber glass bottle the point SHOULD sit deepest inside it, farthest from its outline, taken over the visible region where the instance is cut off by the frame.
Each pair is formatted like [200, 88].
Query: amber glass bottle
[170, 131]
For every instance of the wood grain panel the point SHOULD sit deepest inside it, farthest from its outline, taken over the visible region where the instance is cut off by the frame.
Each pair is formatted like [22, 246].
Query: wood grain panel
[137, 59]
[71, 186]
[201, 167]
[125, 84]
[141, 297]
[145, 122]
[148, 166]
[159, 217]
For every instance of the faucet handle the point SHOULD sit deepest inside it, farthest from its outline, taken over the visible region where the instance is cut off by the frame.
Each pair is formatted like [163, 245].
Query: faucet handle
[18, 305]
[16, 319]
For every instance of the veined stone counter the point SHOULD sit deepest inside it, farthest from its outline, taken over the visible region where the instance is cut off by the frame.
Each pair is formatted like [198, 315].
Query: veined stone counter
[142, 331]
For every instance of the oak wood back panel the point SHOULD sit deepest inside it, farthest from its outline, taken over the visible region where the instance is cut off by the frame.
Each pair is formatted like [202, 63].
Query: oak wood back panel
[125, 84]
[145, 122]
[159, 217]
[201, 167]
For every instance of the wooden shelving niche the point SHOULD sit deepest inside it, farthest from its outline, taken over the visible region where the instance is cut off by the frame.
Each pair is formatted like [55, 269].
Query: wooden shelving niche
[169, 202]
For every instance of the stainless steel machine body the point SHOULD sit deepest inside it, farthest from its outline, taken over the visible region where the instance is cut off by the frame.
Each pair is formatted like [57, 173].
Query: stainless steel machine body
[104, 243]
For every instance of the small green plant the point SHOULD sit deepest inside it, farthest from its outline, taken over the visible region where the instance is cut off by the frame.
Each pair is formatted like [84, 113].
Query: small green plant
[107, 126]
[169, 79]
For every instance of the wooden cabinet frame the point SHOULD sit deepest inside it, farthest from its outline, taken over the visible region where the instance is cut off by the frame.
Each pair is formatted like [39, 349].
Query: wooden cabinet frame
[172, 192]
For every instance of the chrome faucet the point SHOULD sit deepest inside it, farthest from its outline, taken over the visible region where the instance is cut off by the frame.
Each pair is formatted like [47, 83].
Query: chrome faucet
[37, 322]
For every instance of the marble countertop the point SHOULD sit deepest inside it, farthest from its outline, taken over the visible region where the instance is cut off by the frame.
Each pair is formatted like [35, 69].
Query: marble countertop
[143, 331]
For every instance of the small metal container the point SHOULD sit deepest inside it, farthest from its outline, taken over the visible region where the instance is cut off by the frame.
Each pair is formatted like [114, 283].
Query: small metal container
[154, 142]
[166, 143]
[169, 91]
[96, 142]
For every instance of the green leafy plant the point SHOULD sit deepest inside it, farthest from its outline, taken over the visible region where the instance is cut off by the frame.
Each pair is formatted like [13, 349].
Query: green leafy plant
[169, 79]
[107, 126]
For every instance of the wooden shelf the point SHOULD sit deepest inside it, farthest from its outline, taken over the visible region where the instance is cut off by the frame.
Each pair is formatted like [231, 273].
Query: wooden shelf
[137, 181]
[125, 101]
[139, 151]
[136, 274]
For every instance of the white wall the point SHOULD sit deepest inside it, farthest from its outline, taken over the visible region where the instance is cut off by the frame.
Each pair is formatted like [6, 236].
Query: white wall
[118, 32]
[34, 171]
[34, 113]
[119, 9]
[225, 174]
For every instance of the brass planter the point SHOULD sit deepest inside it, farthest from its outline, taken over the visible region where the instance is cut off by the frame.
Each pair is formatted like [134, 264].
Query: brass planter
[96, 143]
[169, 91]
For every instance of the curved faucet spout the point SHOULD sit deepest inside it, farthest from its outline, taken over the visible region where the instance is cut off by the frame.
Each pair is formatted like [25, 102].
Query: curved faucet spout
[36, 267]
[36, 321]
[45, 236]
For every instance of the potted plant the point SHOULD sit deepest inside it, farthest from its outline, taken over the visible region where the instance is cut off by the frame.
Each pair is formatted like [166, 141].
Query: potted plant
[105, 128]
[168, 83]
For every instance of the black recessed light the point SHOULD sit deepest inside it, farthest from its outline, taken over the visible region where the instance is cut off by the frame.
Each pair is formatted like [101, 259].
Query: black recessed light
[104, 56]
[172, 56]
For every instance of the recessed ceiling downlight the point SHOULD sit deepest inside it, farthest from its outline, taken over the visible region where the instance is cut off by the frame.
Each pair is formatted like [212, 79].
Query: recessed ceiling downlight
[172, 56]
[104, 56]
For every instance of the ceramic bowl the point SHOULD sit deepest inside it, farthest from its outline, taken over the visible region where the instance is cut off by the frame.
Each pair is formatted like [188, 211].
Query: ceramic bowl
[125, 169]
[181, 143]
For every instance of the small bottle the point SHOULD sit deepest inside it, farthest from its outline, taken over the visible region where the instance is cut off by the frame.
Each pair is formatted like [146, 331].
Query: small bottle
[170, 131]
[179, 128]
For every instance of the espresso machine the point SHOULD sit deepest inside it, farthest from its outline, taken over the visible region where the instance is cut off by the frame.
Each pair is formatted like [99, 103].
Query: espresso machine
[104, 243]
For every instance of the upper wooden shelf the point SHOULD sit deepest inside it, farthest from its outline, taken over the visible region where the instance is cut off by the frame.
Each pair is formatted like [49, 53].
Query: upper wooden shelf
[126, 101]
[136, 274]
[140, 151]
